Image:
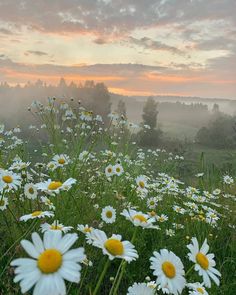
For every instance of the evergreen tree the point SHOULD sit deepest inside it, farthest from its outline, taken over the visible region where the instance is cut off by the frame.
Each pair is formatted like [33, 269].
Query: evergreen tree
[150, 135]
[121, 109]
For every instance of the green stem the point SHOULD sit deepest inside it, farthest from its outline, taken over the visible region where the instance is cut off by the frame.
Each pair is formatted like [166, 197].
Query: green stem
[123, 265]
[101, 277]
[190, 269]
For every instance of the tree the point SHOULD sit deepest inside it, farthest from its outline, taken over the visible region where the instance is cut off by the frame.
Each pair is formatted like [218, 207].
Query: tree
[150, 113]
[121, 109]
[150, 135]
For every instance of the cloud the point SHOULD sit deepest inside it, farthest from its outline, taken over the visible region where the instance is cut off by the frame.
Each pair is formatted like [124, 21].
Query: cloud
[5, 31]
[148, 43]
[130, 78]
[36, 52]
[111, 17]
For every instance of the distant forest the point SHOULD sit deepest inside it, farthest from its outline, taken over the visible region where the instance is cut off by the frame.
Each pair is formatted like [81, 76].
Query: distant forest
[214, 127]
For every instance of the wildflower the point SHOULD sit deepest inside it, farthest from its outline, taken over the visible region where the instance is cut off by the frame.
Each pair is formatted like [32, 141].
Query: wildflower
[113, 246]
[9, 180]
[109, 171]
[36, 214]
[204, 263]
[52, 262]
[140, 289]
[61, 160]
[118, 169]
[54, 187]
[55, 226]
[30, 191]
[3, 203]
[197, 289]
[108, 214]
[138, 218]
[169, 271]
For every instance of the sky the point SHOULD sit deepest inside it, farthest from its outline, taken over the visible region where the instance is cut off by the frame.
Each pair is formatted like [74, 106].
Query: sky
[136, 47]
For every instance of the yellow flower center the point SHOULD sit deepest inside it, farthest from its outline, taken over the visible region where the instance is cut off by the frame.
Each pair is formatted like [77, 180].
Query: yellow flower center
[50, 261]
[141, 184]
[118, 169]
[140, 217]
[55, 227]
[200, 290]
[36, 213]
[87, 230]
[152, 213]
[109, 214]
[31, 190]
[114, 247]
[202, 260]
[7, 179]
[54, 185]
[61, 161]
[2, 203]
[169, 269]
[109, 170]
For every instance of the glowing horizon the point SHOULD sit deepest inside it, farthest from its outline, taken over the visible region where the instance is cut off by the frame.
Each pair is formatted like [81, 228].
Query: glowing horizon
[186, 48]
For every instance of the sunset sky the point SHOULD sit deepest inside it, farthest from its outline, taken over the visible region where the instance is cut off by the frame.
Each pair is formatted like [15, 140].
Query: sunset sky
[136, 47]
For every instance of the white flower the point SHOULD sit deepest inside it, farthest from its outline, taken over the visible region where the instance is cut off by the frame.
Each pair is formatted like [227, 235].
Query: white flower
[118, 169]
[228, 179]
[61, 160]
[140, 289]
[197, 289]
[169, 271]
[138, 218]
[48, 203]
[36, 214]
[54, 187]
[113, 246]
[141, 182]
[55, 226]
[52, 262]
[3, 203]
[109, 171]
[204, 263]
[30, 191]
[108, 214]
[9, 180]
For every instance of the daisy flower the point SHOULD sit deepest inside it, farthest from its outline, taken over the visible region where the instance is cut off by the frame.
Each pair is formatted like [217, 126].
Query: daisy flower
[118, 169]
[52, 262]
[3, 203]
[141, 182]
[169, 271]
[55, 226]
[162, 218]
[197, 289]
[36, 214]
[48, 203]
[109, 171]
[108, 214]
[140, 289]
[61, 160]
[30, 191]
[204, 263]
[54, 187]
[9, 180]
[138, 218]
[84, 228]
[113, 247]
[152, 203]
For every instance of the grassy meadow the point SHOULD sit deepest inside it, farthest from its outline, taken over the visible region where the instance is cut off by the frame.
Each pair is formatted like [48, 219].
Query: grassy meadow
[88, 186]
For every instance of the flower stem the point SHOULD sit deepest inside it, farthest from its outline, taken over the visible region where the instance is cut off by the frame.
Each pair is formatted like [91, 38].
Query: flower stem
[101, 277]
